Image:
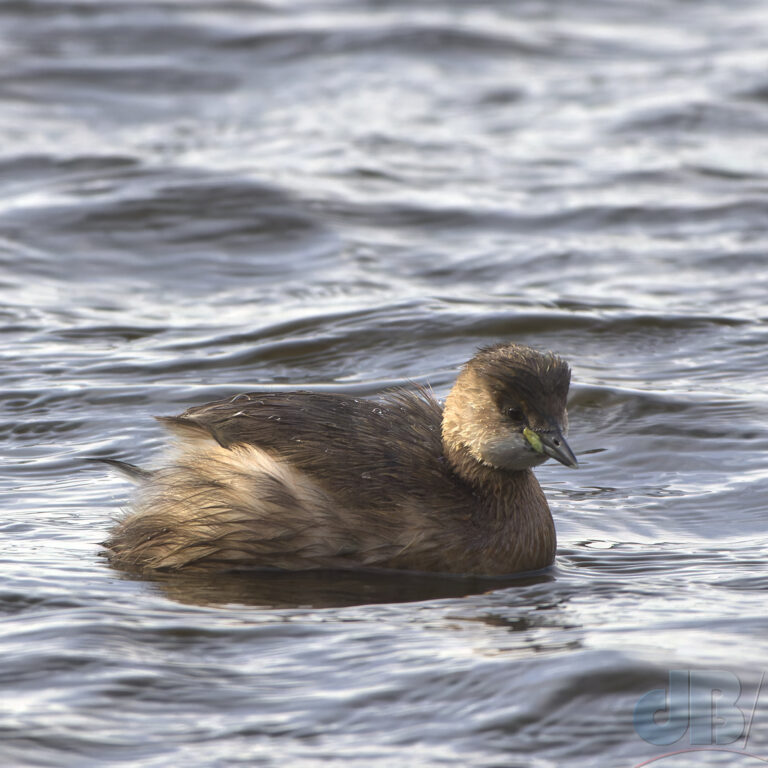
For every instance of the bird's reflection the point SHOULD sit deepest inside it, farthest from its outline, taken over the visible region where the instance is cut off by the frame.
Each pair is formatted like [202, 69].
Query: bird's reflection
[327, 589]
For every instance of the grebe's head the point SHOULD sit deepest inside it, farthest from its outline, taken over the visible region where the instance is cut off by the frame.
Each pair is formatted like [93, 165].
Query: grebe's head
[507, 409]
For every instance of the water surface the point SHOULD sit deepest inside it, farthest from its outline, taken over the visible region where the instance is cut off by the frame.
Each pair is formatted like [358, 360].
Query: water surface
[200, 198]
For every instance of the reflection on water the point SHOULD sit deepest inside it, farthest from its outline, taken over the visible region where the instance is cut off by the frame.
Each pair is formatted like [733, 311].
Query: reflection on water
[199, 199]
[325, 589]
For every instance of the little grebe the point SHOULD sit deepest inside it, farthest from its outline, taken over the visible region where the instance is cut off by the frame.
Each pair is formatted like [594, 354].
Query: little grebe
[300, 480]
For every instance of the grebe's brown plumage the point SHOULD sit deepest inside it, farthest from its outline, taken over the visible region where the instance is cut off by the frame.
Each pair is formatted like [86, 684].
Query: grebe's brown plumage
[302, 480]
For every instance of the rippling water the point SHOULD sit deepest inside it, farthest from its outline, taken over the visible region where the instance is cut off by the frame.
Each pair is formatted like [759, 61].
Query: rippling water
[199, 198]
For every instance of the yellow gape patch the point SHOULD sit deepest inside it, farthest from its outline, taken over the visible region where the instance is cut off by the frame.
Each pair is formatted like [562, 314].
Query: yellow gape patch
[533, 439]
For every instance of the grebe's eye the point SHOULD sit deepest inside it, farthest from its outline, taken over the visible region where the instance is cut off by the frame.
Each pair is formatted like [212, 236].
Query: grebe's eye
[515, 414]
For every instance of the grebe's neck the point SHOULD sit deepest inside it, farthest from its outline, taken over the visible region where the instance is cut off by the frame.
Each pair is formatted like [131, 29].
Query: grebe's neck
[511, 510]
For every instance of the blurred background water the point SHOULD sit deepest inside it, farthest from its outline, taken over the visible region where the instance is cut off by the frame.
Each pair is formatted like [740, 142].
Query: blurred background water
[199, 198]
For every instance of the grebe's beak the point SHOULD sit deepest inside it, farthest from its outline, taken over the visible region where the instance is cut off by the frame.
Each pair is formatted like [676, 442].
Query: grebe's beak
[552, 443]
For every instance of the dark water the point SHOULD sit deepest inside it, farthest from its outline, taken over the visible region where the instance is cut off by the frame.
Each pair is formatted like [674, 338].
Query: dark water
[199, 198]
